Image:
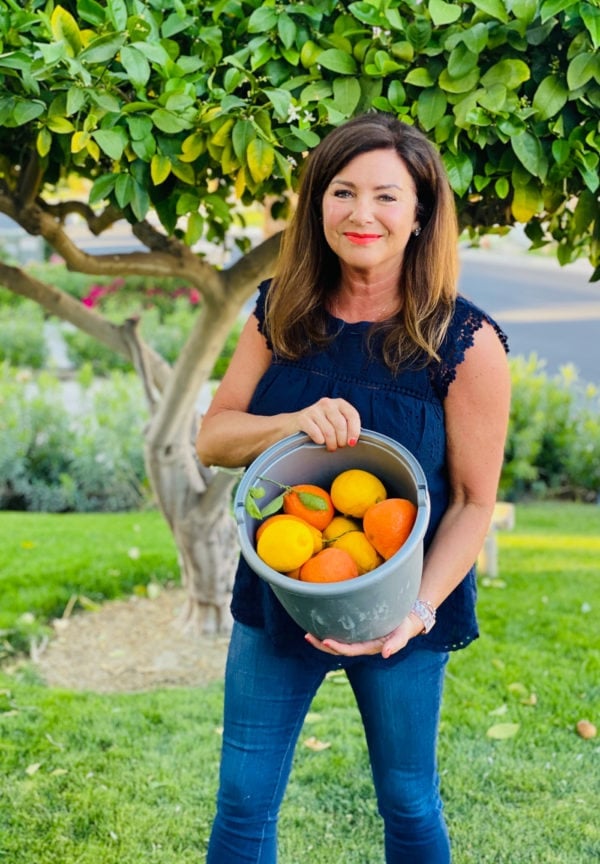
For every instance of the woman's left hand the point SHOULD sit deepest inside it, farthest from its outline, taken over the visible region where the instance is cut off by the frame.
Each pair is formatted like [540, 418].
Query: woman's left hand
[386, 645]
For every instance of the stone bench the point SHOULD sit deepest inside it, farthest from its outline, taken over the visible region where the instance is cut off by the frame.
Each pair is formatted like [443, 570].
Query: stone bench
[503, 519]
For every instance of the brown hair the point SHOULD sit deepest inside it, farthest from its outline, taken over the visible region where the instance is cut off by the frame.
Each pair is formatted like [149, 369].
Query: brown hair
[308, 271]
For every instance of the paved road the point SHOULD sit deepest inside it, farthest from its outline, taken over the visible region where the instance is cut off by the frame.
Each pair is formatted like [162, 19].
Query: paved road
[544, 308]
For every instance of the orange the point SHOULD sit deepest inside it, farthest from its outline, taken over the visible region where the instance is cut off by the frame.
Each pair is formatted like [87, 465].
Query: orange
[340, 525]
[285, 545]
[330, 565]
[388, 523]
[311, 503]
[316, 534]
[354, 491]
[365, 555]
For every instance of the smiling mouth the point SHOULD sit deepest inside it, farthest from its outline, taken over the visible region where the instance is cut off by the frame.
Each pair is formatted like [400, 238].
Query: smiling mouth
[361, 238]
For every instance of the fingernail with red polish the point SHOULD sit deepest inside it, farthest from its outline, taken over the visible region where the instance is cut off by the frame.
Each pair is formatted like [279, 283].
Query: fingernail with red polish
[352, 442]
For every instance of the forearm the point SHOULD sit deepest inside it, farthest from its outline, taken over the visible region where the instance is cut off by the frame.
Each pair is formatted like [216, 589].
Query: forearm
[454, 549]
[232, 439]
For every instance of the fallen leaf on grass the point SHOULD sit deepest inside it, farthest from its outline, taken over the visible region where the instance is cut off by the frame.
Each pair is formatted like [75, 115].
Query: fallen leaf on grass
[33, 768]
[500, 731]
[585, 729]
[314, 744]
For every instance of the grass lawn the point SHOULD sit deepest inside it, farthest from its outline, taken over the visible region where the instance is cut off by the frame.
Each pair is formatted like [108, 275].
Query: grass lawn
[130, 779]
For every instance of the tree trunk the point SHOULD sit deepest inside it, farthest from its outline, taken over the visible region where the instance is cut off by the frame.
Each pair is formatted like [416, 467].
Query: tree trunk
[194, 500]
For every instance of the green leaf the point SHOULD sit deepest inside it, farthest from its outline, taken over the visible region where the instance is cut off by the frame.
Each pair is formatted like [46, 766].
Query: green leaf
[272, 507]
[110, 142]
[501, 731]
[561, 150]
[102, 49]
[140, 201]
[160, 168]
[419, 77]
[312, 501]
[582, 68]
[511, 73]
[25, 111]
[461, 61]
[524, 10]
[57, 124]
[43, 142]
[75, 100]
[444, 13]
[168, 122]
[337, 61]
[476, 37]
[502, 187]
[528, 150]
[346, 93]
[286, 29]
[550, 97]
[550, 8]
[431, 107]
[494, 8]
[251, 507]
[64, 28]
[493, 99]
[458, 85]
[135, 64]
[91, 11]
[260, 157]
[591, 18]
[281, 101]
[460, 171]
[124, 189]
[117, 10]
[261, 20]
[102, 187]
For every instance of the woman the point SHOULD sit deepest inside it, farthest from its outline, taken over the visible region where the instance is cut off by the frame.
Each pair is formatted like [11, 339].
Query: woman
[361, 326]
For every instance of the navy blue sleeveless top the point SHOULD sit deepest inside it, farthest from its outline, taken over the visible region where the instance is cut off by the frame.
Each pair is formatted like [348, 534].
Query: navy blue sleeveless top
[407, 407]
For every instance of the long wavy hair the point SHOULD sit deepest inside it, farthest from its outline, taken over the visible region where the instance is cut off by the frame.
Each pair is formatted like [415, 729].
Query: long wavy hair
[308, 272]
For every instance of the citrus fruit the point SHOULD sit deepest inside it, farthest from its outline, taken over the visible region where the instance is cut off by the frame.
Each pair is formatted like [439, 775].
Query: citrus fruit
[388, 523]
[330, 565]
[365, 555]
[311, 503]
[279, 517]
[340, 525]
[285, 545]
[354, 491]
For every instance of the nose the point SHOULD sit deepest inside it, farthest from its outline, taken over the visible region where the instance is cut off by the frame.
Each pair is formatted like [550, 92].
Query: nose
[361, 211]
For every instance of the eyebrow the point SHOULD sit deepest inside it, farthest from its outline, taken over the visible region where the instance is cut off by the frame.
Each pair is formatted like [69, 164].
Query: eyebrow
[377, 188]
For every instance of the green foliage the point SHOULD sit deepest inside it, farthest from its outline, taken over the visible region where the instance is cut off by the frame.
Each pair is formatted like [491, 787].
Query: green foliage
[553, 446]
[183, 107]
[54, 460]
[131, 777]
[23, 342]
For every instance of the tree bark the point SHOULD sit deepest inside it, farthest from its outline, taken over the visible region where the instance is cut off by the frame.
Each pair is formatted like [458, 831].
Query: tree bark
[194, 500]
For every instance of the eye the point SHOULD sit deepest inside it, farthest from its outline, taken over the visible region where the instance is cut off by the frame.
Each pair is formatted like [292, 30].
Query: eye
[387, 198]
[342, 193]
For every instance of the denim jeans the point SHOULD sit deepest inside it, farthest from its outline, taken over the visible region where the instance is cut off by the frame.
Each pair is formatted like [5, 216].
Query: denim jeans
[267, 696]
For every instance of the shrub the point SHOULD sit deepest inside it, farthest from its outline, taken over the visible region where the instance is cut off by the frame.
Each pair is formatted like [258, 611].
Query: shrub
[23, 342]
[54, 461]
[553, 446]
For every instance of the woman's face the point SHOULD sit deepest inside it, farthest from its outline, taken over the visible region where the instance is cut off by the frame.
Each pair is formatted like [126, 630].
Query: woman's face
[369, 213]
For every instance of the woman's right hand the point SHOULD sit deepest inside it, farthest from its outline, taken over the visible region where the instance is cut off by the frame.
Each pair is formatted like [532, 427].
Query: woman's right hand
[332, 422]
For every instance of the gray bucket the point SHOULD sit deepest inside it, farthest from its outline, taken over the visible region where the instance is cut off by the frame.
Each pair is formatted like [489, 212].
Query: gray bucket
[368, 606]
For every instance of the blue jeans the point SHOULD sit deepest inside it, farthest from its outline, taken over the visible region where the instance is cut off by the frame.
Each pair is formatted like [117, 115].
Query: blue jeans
[267, 696]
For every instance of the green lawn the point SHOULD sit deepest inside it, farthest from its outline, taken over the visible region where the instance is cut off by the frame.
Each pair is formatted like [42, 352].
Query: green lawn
[130, 779]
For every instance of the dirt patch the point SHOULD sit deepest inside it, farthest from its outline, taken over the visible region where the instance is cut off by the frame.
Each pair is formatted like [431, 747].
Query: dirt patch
[131, 645]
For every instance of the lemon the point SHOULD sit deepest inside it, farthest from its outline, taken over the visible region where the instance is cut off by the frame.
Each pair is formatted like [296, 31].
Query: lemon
[340, 525]
[362, 551]
[354, 491]
[285, 544]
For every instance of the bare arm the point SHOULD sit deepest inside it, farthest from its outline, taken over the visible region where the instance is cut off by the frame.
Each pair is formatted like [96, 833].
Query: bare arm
[231, 437]
[476, 412]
